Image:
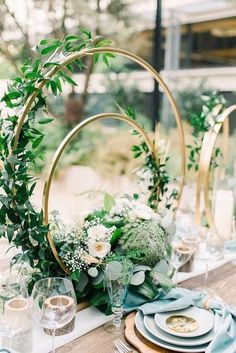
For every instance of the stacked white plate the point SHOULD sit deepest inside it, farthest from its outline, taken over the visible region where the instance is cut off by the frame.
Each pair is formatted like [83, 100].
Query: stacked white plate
[155, 328]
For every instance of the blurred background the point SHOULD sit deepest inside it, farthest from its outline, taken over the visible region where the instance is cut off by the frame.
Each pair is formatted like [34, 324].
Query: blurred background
[192, 43]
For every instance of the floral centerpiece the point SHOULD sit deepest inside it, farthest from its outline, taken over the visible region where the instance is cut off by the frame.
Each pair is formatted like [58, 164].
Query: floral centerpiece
[125, 230]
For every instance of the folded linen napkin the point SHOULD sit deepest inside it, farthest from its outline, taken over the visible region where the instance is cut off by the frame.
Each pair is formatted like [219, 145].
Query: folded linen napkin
[224, 340]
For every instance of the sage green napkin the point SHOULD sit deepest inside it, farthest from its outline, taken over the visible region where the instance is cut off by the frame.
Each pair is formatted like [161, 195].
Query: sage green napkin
[224, 340]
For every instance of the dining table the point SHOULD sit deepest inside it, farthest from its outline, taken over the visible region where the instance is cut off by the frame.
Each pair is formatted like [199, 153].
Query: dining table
[221, 280]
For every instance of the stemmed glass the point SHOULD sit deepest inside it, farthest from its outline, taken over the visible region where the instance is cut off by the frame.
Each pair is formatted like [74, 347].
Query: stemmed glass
[211, 249]
[180, 254]
[54, 304]
[14, 300]
[117, 278]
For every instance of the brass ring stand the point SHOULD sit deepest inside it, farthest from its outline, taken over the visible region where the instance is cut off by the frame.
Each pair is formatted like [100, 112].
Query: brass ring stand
[72, 134]
[69, 59]
[204, 165]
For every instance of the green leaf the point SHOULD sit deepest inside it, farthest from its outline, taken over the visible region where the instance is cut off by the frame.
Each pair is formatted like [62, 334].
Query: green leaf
[50, 64]
[12, 95]
[103, 43]
[50, 48]
[105, 60]
[71, 38]
[86, 32]
[75, 276]
[45, 121]
[37, 141]
[116, 236]
[137, 278]
[82, 283]
[93, 272]
[69, 80]
[108, 202]
[53, 86]
[49, 41]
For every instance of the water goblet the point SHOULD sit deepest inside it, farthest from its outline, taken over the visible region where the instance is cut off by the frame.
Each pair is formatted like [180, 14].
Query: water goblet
[180, 254]
[117, 277]
[54, 304]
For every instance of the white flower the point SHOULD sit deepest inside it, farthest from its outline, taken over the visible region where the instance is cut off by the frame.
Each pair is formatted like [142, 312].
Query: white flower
[99, 248]
[98, 232]
[142, 211]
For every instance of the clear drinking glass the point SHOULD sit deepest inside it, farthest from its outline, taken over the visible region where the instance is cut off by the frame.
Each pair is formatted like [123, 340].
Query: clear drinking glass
[54, 304]
[180, 254]
[117, 278]
[15, 314]
[210, 249]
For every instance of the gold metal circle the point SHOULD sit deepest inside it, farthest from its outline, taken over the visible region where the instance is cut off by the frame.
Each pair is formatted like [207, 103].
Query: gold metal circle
[204, 166]
[90, 52]
[72, 134]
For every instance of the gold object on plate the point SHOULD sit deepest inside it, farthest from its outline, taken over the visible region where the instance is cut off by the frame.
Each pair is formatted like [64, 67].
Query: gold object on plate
[181, 323]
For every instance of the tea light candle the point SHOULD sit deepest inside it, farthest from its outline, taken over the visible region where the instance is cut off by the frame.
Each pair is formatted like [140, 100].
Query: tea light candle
[223, 215]
[18, 315]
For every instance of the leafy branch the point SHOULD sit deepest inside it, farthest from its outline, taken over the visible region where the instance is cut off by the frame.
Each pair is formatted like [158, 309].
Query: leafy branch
[20, 222]
[201, 122]
[155, 167]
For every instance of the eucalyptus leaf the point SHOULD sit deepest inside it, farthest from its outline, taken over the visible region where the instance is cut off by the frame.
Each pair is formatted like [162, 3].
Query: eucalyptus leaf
[93, 272]
[137, 278]
[82, 282]
[108, 202]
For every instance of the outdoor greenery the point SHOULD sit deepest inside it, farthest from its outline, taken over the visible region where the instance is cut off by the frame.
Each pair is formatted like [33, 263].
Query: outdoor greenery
[20, 223]
[201, 121]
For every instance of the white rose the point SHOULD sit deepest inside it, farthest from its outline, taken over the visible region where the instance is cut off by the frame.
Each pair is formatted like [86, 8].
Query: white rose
[99, 249]
[98, 232]
[143, 212]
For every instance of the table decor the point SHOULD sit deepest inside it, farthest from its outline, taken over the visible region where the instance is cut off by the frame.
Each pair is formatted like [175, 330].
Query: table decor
[23, 225]
[54, 304]
[117, 276]
[152, 327]
[180, 298]
[203, 184]
[15, 315]
[139, 324]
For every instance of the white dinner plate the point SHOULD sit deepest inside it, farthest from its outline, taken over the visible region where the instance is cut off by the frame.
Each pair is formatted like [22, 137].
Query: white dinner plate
[152, 327]
[139, 324]
[204, 319]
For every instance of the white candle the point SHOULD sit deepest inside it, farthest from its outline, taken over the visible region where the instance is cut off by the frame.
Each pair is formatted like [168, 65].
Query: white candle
[224, 210]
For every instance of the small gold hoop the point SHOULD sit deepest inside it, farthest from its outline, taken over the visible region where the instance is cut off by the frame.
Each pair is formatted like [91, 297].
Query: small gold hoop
[204, 165]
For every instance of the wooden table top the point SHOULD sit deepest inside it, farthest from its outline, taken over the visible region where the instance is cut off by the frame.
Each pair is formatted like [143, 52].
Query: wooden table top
[222, 280]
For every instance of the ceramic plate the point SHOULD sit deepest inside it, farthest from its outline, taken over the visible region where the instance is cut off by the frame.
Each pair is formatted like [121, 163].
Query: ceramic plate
[152, 327]
[203, 318]
[139, 324]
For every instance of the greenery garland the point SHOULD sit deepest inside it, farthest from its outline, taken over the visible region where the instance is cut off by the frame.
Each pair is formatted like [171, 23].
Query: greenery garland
[20, 223]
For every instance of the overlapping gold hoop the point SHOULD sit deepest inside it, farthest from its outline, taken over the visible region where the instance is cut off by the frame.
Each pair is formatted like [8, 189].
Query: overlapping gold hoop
[72, 134]
[207, 150]
[69, 59]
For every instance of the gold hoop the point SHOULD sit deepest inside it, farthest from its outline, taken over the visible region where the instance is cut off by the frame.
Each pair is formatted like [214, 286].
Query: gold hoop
[72, 134]
[89, 52]
[205, 161]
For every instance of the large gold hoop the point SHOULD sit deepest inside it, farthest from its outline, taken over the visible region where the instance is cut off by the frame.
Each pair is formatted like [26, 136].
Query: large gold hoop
[205, 161]
[72, 134]
[89, 52]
